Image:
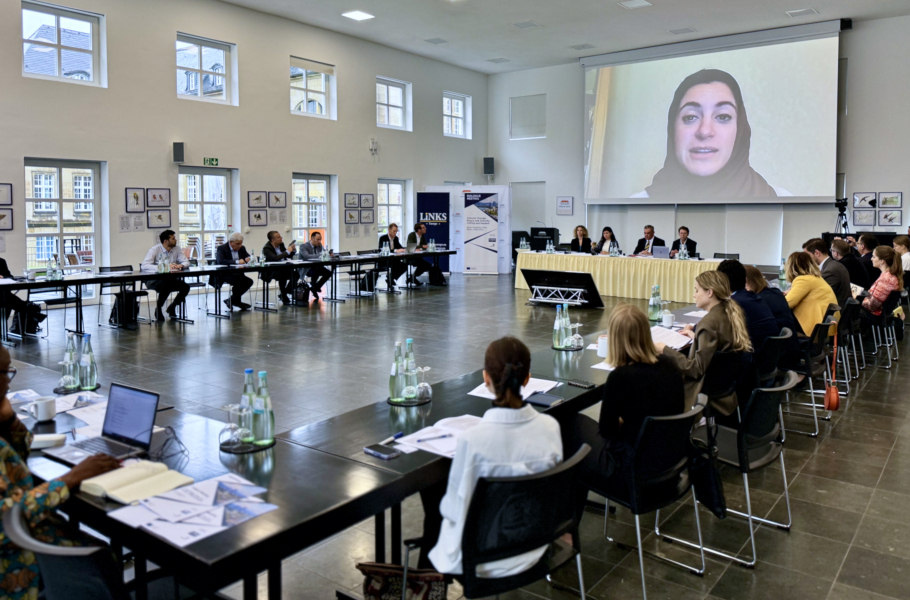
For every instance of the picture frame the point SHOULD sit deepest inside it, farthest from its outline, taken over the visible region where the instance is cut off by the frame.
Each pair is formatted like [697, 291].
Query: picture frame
[367, 216]
[258, 218]
[278, 200]
[891, 218]
[257, 199]
[864, 218]
[367, 200]
[135, 200]
[890, 199]
[351, 217]
[158, 198]
[6, 219]
[861, 199]
[352, 200]
[6, 194]
[158, 219]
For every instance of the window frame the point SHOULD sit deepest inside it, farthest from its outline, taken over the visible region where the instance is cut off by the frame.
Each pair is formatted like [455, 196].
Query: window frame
[406, 104]
[200, 73]
[466, 117]
[385, 181]
[199, 200]
[99, 78]
[305, 230]
[329, 91]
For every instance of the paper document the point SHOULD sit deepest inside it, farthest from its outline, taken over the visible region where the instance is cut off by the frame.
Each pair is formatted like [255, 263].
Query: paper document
[856, 290]
[534, 385]
[23, 396]
[671, 338]
[697, 313]
[602, 366]
[181, 534]
[592, 346]
[441, 438]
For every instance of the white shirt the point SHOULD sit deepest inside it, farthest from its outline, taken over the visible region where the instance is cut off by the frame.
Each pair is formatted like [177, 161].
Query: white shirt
[905, 261]
[174, 256]
[821, 265]
[507, 443]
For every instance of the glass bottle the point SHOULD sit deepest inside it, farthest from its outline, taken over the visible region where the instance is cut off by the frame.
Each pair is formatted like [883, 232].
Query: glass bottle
[70, 379]
[654, 304]
[88, 369]
[410, 387]
[396, 377]
[247, 398]
[566, 332]
[557, 327]
[263, 416]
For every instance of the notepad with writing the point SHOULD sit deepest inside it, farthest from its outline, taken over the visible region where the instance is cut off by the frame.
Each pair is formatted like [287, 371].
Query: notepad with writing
[441, 438]
[137, 481]
[669, 337]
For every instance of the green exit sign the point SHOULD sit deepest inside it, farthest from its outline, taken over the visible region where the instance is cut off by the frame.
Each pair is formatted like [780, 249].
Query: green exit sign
[210, 162]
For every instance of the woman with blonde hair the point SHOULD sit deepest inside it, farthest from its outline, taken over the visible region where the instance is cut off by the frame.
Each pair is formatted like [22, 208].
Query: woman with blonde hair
[723, 329]
[643, 384]
[580, 241]
[809, 295]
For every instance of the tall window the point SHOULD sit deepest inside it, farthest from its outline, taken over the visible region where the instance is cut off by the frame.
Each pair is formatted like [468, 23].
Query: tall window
[393, 104]
[456, 115]
[390, 204]
[311, 87]
[83, 189]
[203, 69]
[310, 207]
[60, 43]
[203, 209]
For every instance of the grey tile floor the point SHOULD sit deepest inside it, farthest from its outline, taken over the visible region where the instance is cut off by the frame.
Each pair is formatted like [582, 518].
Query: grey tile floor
[849, 488]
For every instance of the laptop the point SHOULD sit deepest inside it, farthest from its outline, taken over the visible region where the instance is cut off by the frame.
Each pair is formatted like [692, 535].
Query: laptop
[660, 252]
[412, 246]
[129, 421]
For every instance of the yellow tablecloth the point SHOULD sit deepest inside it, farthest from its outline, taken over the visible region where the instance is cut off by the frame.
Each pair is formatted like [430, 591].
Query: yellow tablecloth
[621, 276]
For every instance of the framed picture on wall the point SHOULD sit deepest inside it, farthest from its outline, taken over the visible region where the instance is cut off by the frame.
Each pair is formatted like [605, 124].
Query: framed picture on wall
[352, 200]
[861, 199]
[257, 199]
[158, 198]
[258, 218]
[6, 194]
[367, 200]
[159, 219]
[890, 199]
[135, 200]
[351, 217]
[367, 216]
[864, 218]
[6, 219]
[890, 218]
[278, 200]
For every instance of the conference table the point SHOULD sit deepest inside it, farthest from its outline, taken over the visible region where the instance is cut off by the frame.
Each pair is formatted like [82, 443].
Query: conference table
[623, 276]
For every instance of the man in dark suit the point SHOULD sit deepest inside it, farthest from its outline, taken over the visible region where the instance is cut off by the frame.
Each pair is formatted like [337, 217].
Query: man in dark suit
[419, 237]
[649, 241]
[397, 267]
[760, 321]
[834, 273]
[318, 275]
[274, 251]
[843, 253]
[233, 253]
[866, 244]
[683, 240]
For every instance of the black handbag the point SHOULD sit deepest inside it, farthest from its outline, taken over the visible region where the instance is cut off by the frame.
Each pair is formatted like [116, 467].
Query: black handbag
[705, 477]
[436, 276]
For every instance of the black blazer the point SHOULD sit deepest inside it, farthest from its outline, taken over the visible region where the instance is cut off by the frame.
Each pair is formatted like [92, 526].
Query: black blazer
[273, 255]
[872, 272]
[656, 241]
[585, 245]
[837, 276]
[393, 244]
[4, 270]
[223, 255]
[858, 274]
[690, 246]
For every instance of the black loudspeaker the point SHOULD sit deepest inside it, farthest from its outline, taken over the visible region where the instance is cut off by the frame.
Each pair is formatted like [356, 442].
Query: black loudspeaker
[488, 165]
[178, 152]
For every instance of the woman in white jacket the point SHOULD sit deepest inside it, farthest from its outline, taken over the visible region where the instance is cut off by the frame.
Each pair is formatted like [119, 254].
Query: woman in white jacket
[512, 440]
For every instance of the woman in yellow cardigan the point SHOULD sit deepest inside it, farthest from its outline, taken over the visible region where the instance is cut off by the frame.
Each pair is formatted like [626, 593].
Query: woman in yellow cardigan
[809, 294]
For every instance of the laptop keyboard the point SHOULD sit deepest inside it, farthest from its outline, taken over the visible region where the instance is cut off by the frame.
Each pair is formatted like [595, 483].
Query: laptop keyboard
[103, 446]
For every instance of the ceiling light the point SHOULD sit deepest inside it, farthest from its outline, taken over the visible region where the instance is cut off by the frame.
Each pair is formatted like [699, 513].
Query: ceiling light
[634, 3]
[525, 25]
[682, 31]
[497, 60]
[437, 41]
[357, 15]
[803, 12]
[582, 46]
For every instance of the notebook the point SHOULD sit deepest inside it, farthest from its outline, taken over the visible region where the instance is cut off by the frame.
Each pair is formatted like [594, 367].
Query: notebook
[137, 481]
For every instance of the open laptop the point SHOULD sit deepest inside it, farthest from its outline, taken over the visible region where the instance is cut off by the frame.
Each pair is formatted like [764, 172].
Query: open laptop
[660, 252]
[412, 246]
[129, 421]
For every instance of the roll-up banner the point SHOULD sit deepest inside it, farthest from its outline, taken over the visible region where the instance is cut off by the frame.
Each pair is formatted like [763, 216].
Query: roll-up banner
[481, 231]
[433, 211]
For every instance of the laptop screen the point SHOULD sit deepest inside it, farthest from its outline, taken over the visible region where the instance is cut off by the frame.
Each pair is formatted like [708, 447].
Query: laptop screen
[130, 415]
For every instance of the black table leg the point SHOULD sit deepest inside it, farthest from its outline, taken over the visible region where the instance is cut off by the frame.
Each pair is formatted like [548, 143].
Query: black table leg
[80, 325]
[4, 323]
[264, 304]
[334, 279]
[388, 280]
[379, 526]
[217, 314]
[275, 582]
[181, 314]
[140, 569]
[396, 534]
[251, 587]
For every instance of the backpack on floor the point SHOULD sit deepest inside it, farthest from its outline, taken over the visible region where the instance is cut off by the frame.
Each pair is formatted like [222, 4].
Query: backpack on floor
[132, 309]
[436, 276]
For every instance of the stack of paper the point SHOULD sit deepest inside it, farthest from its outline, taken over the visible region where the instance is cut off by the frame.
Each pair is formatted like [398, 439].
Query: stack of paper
[534, 386]
[701, 314]
[671, 338]
[441, 438]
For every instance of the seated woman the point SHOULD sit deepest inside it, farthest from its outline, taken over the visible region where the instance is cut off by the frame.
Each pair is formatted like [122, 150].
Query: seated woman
[19, 577]
[607, 240]
[643, 384]
[581, 242]
[902, 247]
[891, 280]
[513, 440]
[809, 295]
[774, 298]
[723, 329]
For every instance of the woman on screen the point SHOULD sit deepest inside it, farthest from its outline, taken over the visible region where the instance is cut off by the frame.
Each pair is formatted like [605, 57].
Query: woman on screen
[708, 143]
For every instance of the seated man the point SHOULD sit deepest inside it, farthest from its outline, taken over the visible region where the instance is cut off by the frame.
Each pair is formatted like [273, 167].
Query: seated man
[397, 267]
[274, 251]
[843, 253]
[233, 253]
[318, 275]
[760, 320]
[649, 241]
[28, 311]
[418, 236]
[834, 273]
[683, 240]
[866, 244]
[164, 287]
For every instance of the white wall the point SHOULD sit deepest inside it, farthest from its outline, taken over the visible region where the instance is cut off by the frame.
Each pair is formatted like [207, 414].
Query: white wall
[872, 152]
[132, 123]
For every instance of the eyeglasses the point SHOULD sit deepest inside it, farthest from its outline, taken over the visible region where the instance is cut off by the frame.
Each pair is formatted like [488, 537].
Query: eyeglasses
[10, 373]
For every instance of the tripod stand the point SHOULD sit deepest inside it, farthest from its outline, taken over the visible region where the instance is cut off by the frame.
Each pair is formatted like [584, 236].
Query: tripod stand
[841, 224]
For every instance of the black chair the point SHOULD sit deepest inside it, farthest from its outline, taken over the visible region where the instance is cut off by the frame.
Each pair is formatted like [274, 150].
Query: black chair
[359, 273]
[755, 445]
[564, 247]
[197, 281]
[883, 335]
[769, 355]
[722, 375]
[123, 288]
[547, 499]
[848, 329]
[814, 363]
[730, 255]
[64, 299]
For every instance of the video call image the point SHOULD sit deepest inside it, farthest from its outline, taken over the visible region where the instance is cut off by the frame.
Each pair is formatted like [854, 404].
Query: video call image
[744, 125]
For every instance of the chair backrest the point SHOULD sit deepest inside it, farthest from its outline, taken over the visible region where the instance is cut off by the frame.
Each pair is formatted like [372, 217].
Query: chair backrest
[376, 251]
[760, 422]
[509, 516]
[817, 347]
[830, 311]
[344, 254]
[694, 255]
[730, 255]
[768, 356]
[848, 315]
[891, 303]
[128, 268]
[722, 374]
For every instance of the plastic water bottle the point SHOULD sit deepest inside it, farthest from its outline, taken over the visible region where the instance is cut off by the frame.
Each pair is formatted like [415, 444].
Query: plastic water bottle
[247, 398]
[88, 369]
[654, 304]
[557, 328]
[396, 377]
[263, 416]
[410, 387]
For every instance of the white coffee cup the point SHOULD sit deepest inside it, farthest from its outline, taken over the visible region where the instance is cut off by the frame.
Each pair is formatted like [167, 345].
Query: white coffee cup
[30, 275]
[668, 320]
[603, 346]
[43, 408]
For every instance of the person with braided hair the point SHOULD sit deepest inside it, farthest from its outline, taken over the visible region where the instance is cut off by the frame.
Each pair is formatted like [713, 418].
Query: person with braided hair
[513, 440]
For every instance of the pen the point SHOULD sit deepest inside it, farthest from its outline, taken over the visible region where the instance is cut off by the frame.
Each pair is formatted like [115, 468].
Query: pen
[438, 437]
[391, 439]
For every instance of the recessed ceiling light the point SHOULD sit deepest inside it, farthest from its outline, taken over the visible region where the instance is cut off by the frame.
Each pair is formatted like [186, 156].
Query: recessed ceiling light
[497, 60]
[682, 31]
[582, 46]
[525, 25]
[803, 12]
[634, 3]
[357, 15]
[437, 41]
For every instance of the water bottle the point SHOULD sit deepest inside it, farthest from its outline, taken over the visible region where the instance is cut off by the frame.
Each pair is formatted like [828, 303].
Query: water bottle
[654, 304]
[88, 370]
[557, 328]
[70, 364]
[782, 275]
[396, 377]
[263, 417]
[261, 259]
[566, 332]
[247, 398]
[410, 378]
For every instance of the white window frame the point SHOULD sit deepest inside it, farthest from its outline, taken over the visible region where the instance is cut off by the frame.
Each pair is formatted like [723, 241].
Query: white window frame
[199, 200]
[383, 229]
[406, 99]
[228, 74]
[466, 117]
[329, 88]
[99, 77]
[307, 205]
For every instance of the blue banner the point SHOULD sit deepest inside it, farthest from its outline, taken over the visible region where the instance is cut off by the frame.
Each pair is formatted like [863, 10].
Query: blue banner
[433, 211]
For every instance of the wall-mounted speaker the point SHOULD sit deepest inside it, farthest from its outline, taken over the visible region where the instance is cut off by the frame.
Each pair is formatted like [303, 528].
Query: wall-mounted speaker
[179, 156]
[488, 165]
